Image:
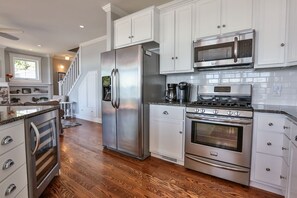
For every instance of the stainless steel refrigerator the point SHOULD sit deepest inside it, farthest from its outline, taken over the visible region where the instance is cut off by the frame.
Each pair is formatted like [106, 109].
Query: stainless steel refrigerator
[130, 81]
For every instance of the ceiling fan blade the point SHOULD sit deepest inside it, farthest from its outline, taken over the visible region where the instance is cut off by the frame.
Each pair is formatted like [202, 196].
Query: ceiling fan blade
[8, 36]
[11, 30]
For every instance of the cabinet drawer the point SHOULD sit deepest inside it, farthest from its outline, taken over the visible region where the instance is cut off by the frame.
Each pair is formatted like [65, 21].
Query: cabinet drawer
[13, 160]
[268, 169]
[16, 182]
[23, 193]
[271, 122]
[270, 143]
[11, 136]
[166, 112]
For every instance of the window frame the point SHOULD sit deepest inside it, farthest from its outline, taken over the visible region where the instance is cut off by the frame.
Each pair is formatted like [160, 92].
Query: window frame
[14, 56]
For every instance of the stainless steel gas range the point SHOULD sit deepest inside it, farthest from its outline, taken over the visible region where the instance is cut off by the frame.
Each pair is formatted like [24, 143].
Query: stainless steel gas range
[219, 132]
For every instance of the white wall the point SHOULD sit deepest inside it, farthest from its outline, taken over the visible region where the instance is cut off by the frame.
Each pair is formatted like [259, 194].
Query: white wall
[2, 64]
[90, 61]
[264, 82]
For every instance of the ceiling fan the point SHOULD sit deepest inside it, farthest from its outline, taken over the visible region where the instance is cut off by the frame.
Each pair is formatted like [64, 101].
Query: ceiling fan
[7, 33]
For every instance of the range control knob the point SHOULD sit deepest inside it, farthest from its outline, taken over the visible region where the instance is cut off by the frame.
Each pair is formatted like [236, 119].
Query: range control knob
[202, 110]
[198, 110]
[237, 113]
[229, 113]
[215, 112]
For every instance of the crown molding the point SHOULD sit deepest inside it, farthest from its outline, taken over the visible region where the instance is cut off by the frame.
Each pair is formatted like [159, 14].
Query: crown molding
[114, 9]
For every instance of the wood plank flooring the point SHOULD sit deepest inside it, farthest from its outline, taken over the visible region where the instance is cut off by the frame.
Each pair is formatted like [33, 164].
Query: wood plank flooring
[89, 171]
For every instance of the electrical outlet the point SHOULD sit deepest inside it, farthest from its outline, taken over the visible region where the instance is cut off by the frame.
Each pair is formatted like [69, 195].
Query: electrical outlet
[276, 89]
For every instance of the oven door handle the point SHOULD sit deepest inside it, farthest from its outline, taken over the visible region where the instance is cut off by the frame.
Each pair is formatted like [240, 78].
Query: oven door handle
[217, 165]
[219, 121]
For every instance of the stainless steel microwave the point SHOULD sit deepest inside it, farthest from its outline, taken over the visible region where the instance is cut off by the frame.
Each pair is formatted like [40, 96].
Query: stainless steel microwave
[233, 50]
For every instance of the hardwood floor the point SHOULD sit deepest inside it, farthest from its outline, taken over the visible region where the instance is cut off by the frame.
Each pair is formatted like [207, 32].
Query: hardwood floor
[89, 171]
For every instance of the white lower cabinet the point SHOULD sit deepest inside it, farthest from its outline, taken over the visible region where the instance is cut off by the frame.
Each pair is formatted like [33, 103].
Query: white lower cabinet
[167, 133]
[292, 185]
[270, 152]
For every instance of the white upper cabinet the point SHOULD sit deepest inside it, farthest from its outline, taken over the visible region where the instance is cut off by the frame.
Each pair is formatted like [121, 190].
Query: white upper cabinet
[214, 17]
[270, 25]
[175, 40]
[292, 32]
[137, 28]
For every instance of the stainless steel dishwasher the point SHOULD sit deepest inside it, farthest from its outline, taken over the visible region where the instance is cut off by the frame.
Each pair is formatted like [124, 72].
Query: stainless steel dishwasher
[43, 156]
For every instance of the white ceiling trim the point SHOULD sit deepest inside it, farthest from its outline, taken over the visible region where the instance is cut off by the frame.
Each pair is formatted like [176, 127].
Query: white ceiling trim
[114, 9]
[96, 40]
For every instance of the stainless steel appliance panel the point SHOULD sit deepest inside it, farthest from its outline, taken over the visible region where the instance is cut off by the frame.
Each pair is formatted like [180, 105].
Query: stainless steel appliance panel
[129, 72]
[43, 156]
[240, 158]
[108, 111]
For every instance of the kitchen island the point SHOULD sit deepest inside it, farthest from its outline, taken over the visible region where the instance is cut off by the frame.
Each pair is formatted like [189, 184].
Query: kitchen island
[29, 149]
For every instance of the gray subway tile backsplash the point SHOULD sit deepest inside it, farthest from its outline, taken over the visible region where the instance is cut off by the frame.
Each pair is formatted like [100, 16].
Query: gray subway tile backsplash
[265, 83]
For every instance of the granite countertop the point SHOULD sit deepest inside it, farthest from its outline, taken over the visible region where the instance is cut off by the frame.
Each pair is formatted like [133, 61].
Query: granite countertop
[290, 111]
[13, 113]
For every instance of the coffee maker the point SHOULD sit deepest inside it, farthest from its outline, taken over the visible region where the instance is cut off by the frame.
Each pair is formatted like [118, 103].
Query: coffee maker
[183, 93]
[171, 92]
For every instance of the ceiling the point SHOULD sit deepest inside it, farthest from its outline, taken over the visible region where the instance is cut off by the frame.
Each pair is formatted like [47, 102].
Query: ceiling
[55, 24]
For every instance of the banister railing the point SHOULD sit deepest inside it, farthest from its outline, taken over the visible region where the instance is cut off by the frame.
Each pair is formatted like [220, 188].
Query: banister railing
[72, 75]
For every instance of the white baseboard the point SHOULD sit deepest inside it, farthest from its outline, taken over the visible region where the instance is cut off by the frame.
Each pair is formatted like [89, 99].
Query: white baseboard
[88, 118]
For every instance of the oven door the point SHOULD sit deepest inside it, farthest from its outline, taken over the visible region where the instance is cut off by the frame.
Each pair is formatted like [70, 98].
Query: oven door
[219, 138]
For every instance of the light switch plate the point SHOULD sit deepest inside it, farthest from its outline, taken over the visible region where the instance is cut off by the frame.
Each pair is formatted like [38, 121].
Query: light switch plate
[276, 89]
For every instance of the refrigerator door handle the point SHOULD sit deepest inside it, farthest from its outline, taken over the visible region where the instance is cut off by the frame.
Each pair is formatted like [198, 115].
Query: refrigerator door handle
[117, 100]
[112, 88]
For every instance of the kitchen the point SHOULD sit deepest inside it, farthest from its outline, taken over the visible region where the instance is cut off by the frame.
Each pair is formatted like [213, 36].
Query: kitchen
[272, 87]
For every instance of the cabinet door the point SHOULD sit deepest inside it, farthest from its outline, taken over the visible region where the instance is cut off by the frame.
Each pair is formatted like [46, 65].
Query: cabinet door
[142, 27]
[167, 42]
[183, 41]
[166, 138]
[292, 31]
[270, 24]
[292, 193]
[236, 15]
[122, 32]
[207, 18]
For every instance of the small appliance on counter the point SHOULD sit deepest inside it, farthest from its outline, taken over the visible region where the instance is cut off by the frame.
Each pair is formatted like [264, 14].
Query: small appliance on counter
[171, 92]
[183, 93]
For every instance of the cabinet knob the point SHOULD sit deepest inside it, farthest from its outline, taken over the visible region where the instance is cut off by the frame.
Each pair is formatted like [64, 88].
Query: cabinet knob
[269, 144]
[181, 132]
[296, 138]
[267, 169]
[165, 113]
[6, 140]
[285, 127]
[172, 58]
[218, 26]
[284, 149]
[282, 45]
[176, 57]
[223, 25]
[132, 36]
[282, 177]
[270, 124]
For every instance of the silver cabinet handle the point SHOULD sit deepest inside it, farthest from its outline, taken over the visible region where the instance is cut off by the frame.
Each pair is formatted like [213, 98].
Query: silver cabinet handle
[10, 189]
[282, 177]
[284, 149]
[7, 140]
[165, 113]
[267, 169]
[285, 127]
[282, 45]
[270, 124]
[269, 144]
[112, 89]
[117, 99]
[9, 163]
[37, 137]
[235, 49]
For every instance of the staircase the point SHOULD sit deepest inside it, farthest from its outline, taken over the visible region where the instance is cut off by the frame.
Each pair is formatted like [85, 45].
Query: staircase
[72, 75]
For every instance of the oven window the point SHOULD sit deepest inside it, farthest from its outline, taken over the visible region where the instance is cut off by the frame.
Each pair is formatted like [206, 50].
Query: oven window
[217, 135]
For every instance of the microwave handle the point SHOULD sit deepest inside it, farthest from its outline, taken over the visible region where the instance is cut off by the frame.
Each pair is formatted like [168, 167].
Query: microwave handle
[235, 49]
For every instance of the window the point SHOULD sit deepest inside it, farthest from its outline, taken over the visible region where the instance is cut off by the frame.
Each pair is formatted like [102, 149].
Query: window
[25, 68]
